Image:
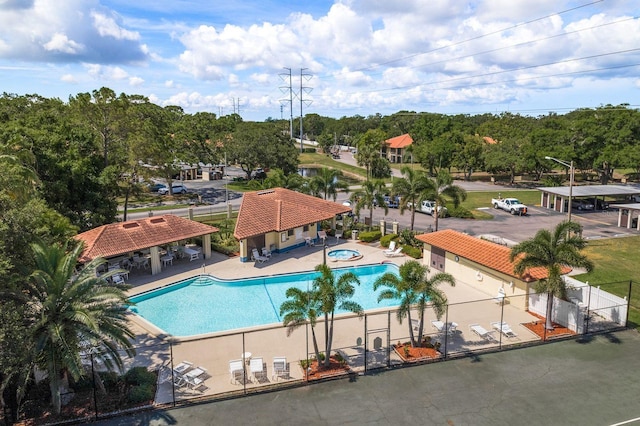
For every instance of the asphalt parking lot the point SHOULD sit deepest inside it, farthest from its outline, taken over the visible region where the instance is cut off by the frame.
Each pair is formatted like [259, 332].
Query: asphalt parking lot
[583, 381]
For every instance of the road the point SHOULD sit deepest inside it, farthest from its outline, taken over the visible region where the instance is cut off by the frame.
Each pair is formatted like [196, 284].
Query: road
[515, 228]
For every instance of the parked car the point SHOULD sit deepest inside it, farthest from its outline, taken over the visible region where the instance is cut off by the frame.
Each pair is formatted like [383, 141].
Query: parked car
[582, 205]
[155, 187]
[176, 188]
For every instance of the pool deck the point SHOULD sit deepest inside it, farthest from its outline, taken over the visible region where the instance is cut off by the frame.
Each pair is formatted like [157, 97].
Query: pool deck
[214, 354]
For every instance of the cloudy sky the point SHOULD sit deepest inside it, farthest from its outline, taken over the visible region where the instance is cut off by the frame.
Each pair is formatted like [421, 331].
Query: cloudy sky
[355, 56]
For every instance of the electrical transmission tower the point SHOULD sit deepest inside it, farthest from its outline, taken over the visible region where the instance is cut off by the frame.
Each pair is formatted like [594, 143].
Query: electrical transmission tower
[303, 89]
[300, 95]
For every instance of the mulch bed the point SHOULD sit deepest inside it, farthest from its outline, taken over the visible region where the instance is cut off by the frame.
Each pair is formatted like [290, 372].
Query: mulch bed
[411, 354]
[336, 368]
[538, 328]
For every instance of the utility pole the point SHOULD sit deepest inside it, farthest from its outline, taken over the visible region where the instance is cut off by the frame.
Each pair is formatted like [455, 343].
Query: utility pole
[307, 90]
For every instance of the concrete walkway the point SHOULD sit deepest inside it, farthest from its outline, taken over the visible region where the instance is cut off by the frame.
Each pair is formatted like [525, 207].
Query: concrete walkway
[590, 381]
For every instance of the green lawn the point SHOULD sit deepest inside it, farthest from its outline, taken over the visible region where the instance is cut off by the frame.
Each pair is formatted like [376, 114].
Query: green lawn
[616, 263]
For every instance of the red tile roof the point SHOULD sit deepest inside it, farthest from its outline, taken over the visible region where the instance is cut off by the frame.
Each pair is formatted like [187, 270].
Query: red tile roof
[489, 140]
[402, 141]
[124, 237]
[482, 252]
[280, 209]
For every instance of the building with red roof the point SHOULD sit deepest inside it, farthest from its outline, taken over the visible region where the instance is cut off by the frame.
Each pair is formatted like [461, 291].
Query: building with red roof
[394, 149]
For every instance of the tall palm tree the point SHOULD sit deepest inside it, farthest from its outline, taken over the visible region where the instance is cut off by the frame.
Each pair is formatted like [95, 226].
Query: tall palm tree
[412, 188]
[370, 195]
[327, 182]
[331, 294]
[299, 308]
[444, 188]
[414, 289]
[552, 251]
[68, 310]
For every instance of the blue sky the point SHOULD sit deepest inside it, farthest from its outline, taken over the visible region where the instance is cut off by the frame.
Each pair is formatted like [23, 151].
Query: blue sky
[360, 56]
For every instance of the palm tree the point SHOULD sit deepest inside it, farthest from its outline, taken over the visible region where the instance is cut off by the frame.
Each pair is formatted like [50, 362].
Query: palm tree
[552, 251]
[67, 311]
[333, 293]
[370, 195]
[414, 290]
[299, 308]
[444, 186]
[412, 188]
[327, 183]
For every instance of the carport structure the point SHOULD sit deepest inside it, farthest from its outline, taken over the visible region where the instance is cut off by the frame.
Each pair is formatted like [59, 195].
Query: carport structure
[557, 197]
[627, 214]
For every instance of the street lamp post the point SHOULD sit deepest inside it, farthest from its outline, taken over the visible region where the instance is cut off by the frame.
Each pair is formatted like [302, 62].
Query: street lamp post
[571, 178]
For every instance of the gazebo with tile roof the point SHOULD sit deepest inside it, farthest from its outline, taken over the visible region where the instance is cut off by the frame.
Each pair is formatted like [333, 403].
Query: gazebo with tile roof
[281, 219]
[123, 238]
[480, 263]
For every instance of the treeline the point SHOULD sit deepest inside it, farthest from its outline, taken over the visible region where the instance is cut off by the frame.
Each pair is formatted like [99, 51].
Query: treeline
[95, 147]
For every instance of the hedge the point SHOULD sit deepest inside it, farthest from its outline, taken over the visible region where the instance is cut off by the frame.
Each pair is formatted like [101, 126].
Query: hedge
[370, 236]
[386, 240]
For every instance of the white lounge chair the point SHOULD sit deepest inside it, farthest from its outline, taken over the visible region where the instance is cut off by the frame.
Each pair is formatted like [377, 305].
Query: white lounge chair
[449, 327]
[257, 257]
[338, 236]
[266, 252]
[391, 249]
[307, 240]
[480, 331]
[504, 328]
[182, 368]
[258, 371]
[236, 369]
[322, 235]
[397, 252]
[280, 368]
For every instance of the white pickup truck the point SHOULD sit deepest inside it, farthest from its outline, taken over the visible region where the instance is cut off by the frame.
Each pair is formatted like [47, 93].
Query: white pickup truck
[511, 205]
[428, 207]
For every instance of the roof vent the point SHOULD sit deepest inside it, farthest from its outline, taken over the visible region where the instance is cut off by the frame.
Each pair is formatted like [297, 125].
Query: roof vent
[157, 220]
[266, 192]
[130, 225]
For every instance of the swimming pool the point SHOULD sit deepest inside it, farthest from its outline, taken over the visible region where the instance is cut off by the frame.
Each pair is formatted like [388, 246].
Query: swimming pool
[207, 304]
[344, 254]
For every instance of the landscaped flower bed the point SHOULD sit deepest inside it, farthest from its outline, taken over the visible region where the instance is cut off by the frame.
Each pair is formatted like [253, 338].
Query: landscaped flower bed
[336, 367]
[411, 354]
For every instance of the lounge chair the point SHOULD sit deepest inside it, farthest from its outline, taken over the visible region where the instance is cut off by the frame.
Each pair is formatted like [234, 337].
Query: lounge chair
[280, 368]
[415, 324]
[182, 368]
[391, 249]
[258, 257]
[322, 236]
[449, 327]
[266, 252]
[236, 369]
[338, 236]
[258, 371]
[480, 331]
[307, 240]
[397, 252]
[504, 328]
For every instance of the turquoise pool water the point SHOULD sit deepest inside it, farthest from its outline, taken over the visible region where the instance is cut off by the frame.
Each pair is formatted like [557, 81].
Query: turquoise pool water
[343, 254]
[207, 304]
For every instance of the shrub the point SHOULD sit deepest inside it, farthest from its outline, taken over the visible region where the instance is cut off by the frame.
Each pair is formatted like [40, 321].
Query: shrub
[386, 240]
[110, 379]
[407, 237]
[415, 252]
[139, 376]
[370, 236]
[460, 212]
[138, 394]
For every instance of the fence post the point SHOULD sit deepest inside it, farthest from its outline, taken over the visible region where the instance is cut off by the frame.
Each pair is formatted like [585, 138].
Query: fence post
[388, 338]
[366, 344]
[173, 379]
[93, 378]
[446, 329]
[628, 303]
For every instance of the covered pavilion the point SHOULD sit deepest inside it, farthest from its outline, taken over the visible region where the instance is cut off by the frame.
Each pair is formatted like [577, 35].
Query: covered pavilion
[125, 238]
[557, 197]
[281, 219]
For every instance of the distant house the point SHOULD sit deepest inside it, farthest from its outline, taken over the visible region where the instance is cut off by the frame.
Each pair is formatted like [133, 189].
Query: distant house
[281, 220]
[394, 149]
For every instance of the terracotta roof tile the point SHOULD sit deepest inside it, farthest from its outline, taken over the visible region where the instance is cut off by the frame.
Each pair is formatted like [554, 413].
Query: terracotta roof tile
[482, 252]
[280, 209]
[402, 141]
[119, 238]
